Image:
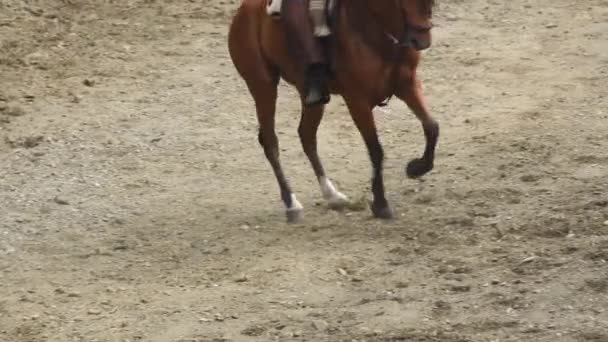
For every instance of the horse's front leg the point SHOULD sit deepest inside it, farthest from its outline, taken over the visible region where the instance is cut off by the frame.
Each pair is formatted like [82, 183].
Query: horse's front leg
[309, 124]
[410, 91]
[362, 115]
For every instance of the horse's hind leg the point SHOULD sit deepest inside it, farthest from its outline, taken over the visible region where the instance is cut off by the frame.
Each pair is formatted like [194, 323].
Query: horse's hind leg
[309, 124]
[411, 94]
[262, 81]
[265, 96]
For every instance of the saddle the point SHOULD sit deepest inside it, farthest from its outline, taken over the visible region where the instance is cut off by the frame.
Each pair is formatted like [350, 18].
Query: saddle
[320, 11]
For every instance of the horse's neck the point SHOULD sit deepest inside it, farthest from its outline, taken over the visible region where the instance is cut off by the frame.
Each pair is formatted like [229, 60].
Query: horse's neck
[355, 22]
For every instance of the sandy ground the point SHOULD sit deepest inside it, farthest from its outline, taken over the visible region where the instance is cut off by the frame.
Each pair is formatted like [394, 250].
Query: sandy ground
[136, 205]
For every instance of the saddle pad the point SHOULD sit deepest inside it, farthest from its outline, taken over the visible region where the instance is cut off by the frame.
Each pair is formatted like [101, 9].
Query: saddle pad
[273, 7]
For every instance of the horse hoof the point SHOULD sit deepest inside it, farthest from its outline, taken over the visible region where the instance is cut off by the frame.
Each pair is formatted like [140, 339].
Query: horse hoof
[384, 213]
[338, 203]
[418, 167]
[294, 215]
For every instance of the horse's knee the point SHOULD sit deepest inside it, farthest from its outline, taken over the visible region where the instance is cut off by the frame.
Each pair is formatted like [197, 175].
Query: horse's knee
[307, 138]
[267, 137]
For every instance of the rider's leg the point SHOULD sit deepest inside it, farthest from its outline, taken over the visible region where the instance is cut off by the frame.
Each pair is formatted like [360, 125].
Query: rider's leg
[318, 14]
[295, 14]
[274, 8]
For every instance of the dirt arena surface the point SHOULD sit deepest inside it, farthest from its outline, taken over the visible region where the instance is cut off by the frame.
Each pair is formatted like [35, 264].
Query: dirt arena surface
[136, 204]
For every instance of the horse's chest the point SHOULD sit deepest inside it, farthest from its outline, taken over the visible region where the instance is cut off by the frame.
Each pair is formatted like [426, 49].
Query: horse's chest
[363, 70]
[369, 78]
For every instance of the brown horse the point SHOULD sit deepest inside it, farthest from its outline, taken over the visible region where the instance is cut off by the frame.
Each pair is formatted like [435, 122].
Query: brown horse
[374, 52]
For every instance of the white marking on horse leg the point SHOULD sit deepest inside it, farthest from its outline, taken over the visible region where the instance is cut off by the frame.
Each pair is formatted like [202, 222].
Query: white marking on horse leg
[335, 198]
[295, 204]
[294, 212]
